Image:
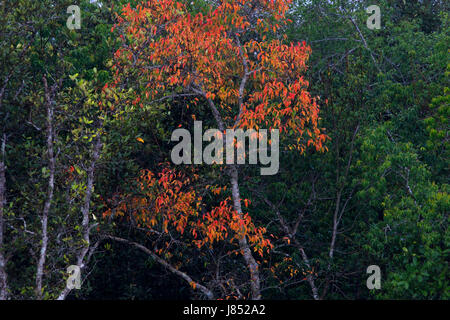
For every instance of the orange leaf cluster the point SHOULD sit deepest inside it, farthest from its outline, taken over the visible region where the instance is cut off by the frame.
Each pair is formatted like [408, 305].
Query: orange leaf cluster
[225, 56]
[168, 201]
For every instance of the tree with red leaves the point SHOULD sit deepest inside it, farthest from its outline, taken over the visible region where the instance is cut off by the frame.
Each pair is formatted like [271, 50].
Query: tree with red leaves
[231, 58]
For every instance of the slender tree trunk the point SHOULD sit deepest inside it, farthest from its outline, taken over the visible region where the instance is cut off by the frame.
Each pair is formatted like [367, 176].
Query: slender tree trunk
[3, 274]
[255, 282]
[85, 210]
[291, 234]
[50, 188]
[335, 226]
[309, 277]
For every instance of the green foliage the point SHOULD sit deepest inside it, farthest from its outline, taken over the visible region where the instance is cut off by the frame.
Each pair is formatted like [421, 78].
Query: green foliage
[384, 98]
[411, 242]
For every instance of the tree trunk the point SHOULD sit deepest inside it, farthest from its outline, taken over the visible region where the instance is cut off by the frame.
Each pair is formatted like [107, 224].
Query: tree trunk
[255, 282]
[3, 274]
[85, 210]
[50, 188]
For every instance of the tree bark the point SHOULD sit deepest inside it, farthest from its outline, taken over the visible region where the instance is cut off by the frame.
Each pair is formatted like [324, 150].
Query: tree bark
[50, 189]
[255, 282]
[3, 274]
[85, 210]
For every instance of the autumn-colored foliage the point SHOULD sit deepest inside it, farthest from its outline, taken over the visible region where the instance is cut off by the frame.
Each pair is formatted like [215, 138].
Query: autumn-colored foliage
[70, 150]
[168, 202]
[230, 58]
[228, 55]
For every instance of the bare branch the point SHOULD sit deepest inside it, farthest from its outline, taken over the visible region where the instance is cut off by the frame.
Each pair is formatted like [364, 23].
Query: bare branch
[208, 293]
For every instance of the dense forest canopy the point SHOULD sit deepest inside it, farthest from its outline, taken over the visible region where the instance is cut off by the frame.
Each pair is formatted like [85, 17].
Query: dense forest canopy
[92, 92]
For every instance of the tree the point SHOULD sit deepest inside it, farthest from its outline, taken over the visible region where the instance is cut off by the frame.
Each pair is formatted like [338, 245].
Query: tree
[231, 57]
[86, 176]
[43, 110]
[411, 239]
